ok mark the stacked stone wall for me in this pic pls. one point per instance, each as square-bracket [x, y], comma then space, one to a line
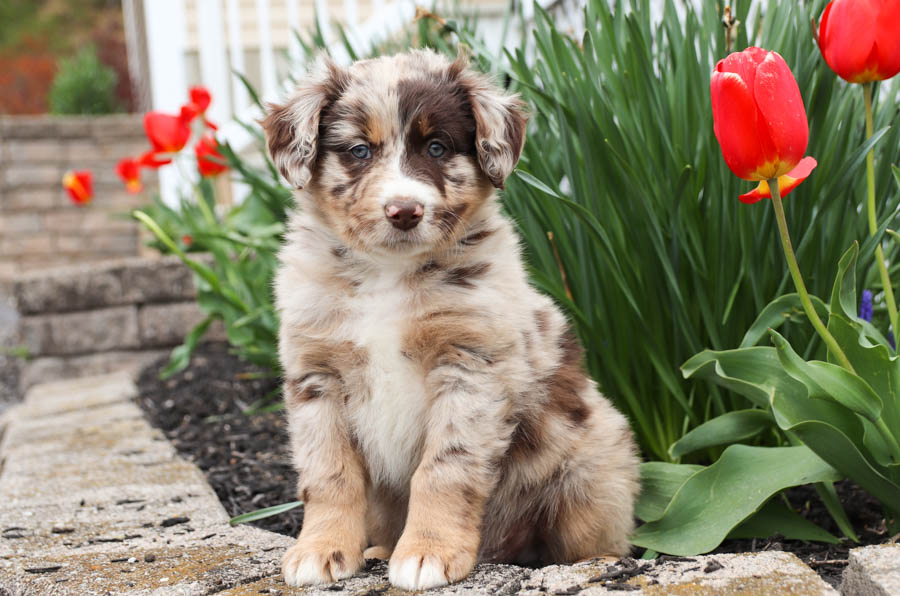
[95, 318]
[39, 226]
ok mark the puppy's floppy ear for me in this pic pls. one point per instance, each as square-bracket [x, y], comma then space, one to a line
[292, 129]
[500, 121]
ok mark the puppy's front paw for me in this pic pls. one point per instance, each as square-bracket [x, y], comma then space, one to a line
[319, 563]
[419, 567]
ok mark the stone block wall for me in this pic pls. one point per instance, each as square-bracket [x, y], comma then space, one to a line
[97, 318]
[39, 226]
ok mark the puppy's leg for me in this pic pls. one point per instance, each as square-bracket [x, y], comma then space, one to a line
[593, 498]
[467, 434]
[331, 485]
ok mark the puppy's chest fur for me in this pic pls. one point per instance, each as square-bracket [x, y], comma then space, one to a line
[388, 415]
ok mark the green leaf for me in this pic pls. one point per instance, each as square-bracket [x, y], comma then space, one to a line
[659, 483]
[181, 355]
[756, 373]
[775, 518]
[712, 502]
[843, 293]
[731, 427]
[829, 381]
[776, 313]
[264, 513]
[835, 509]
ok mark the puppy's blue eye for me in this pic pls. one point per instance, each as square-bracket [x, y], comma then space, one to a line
[435, 149]
[361, 151]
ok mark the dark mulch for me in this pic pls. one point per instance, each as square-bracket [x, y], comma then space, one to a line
[246, 460]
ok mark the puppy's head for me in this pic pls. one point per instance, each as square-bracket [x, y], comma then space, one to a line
[396, 154]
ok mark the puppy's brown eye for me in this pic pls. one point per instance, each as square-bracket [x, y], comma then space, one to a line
[435, 149]
[361, 151]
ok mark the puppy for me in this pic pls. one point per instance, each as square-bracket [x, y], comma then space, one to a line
[438, 409]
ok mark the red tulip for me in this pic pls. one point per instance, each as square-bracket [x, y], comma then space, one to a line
[80, 185]
[205, 148]
[758, 115]
[128, 170]
[168, 133]
[860, 39]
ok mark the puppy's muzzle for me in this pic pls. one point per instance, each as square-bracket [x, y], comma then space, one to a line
[404, 214]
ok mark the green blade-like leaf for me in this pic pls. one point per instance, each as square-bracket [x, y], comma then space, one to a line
[712, 502]
[659, 483]
[264, 513]
[731, 427]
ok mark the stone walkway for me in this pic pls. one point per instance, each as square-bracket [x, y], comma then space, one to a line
[95, 501]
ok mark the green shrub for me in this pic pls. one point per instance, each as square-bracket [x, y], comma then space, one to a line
[84, 85]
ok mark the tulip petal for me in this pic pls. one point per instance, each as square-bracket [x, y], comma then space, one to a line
[847, 36]
[152, 159]
[778, 98]
[200, 97]
[887, 39]
[786, 183]
[734, 123]
[167, 133]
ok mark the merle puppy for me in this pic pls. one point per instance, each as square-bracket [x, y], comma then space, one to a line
[438, 408]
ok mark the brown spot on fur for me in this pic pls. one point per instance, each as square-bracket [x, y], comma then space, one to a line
[542, 321]
[464, 276]
[568, 382]
[295, 394]
[476, 237]
[435, 338]
[453, 452]
[338, 558]
[526, 438]
[434, 108]
[330, 357]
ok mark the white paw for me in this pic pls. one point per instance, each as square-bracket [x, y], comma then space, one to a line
[417, 573]
[302, 566]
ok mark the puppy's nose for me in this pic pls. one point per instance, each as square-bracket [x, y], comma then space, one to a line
[404, 214]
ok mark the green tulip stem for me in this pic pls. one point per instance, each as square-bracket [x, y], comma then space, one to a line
[791, 258]
[873, 221]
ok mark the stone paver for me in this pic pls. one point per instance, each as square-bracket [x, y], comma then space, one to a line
[772, 572]
[95, 501]
[873, 571]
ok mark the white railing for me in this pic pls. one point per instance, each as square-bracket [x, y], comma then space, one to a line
[218, 37]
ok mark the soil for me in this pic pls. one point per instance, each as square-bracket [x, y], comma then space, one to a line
[246, 459]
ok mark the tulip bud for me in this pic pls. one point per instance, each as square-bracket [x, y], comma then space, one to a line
[758, 114]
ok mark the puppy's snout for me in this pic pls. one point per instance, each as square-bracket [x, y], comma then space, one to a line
[404, 214]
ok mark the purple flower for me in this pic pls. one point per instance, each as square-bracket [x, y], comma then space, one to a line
[865, 306]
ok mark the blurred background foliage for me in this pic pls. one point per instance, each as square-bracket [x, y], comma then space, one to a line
[83, 85]
[35, 36]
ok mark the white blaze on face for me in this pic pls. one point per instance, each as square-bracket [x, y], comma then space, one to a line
[396, 184]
